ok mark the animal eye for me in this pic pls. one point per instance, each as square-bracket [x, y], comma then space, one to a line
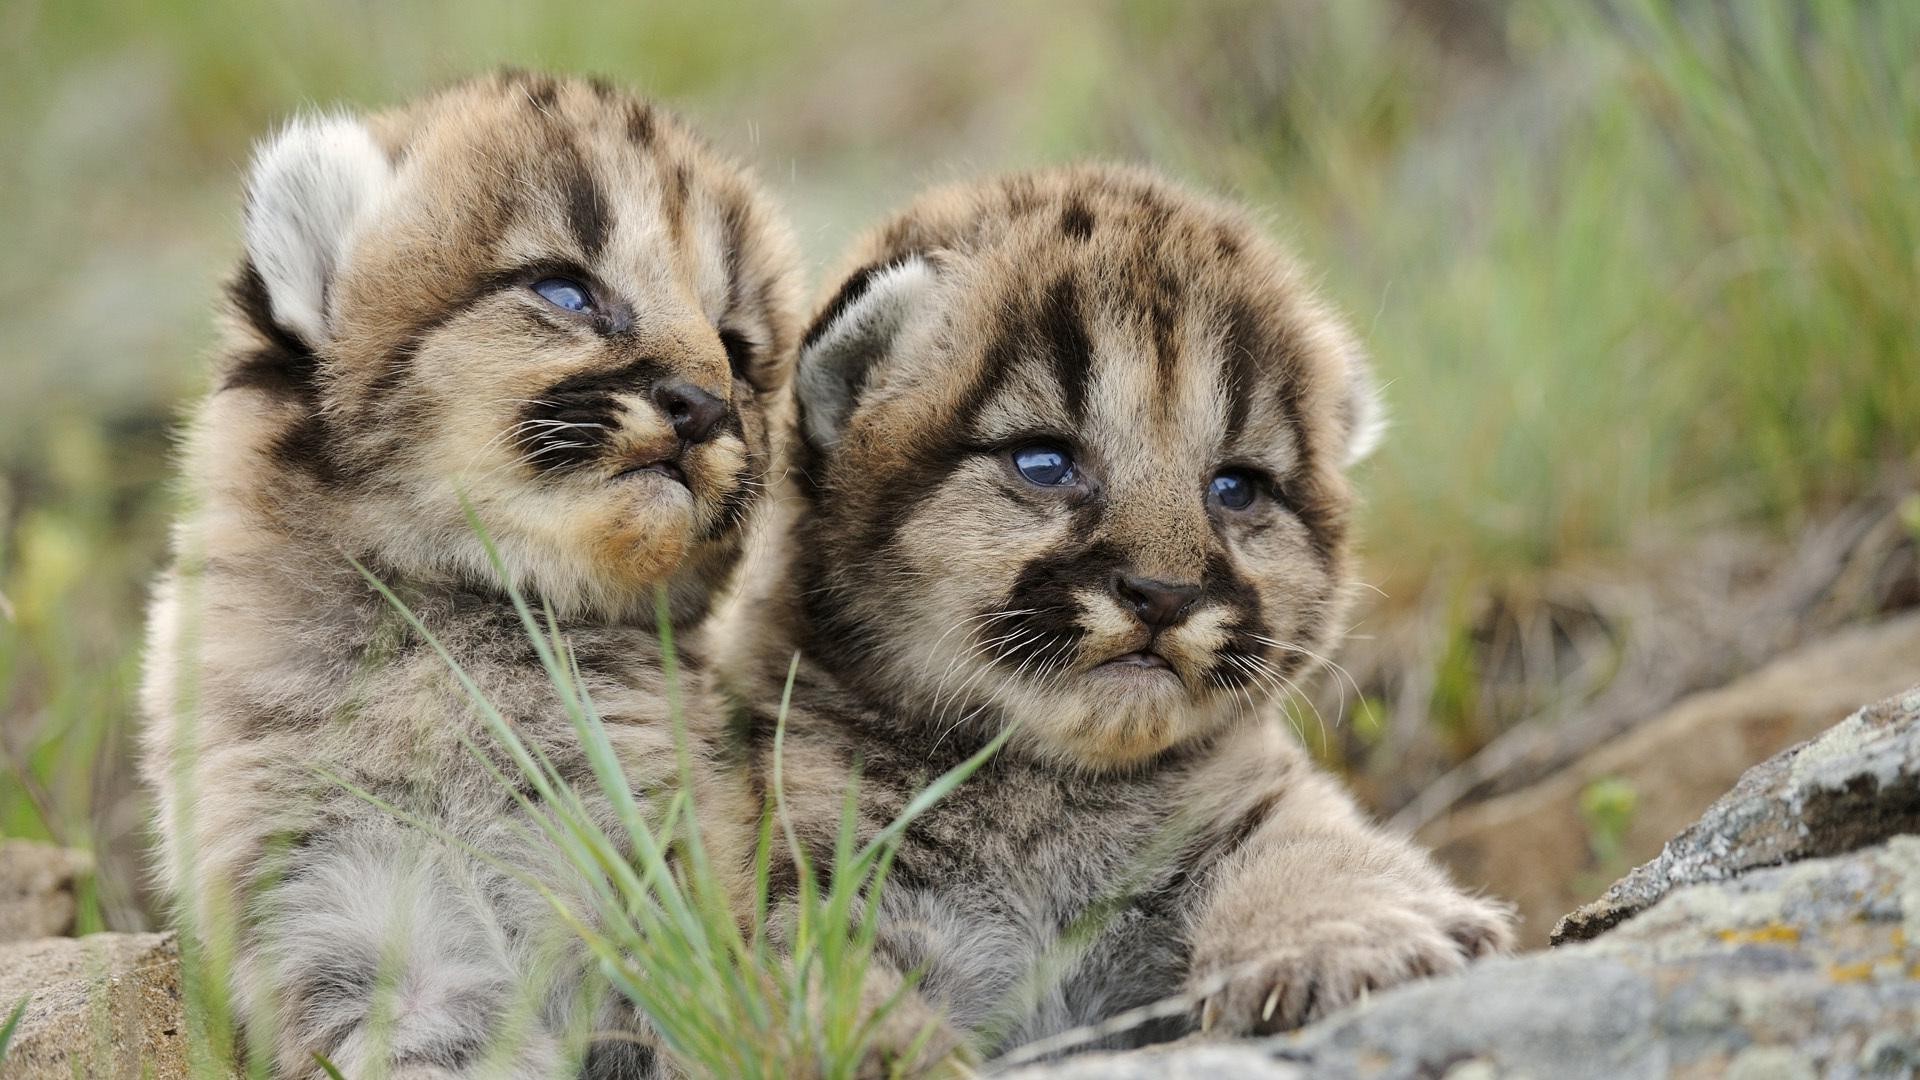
[1232, 489]
[564, 293]
[1044, 464]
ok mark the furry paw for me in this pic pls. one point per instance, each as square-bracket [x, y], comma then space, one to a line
[1260, 983]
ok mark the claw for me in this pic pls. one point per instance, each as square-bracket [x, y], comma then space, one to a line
[1273, 1002]
[1208, 1014]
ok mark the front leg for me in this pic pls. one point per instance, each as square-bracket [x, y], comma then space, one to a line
[1317, 907]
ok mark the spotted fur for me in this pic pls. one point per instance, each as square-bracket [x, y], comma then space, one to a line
[1149, 828]
[387, 366]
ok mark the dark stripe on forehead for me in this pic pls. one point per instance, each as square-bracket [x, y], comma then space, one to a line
[640, 124]
[1065, 335]
[673, 202]
[1076, 221]
[1163, 312]
[1242, 344]
[588, 214]
[735, 218]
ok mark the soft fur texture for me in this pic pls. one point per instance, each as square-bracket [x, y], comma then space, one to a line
[1150, 829]
[386, 357]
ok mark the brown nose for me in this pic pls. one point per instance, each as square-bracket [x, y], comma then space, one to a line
[1159, 604]
[693, 412]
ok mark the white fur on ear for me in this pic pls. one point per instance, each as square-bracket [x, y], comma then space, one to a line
[308, 187]
[1366, 410]
[857, 328]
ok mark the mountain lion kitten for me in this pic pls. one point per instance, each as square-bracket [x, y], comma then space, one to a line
[1072, 464]
[548, 301]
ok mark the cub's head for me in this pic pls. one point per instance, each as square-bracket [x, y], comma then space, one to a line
[541, 297]
[1075, 446]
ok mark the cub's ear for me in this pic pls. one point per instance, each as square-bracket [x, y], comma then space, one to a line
[1363, 409]
[857, 328]
[308, 187]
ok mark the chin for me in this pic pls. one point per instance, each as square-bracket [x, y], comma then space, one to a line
[1114, 716]
[592, 550]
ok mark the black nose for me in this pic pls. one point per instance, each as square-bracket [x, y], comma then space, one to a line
[693, 412]
[1159, 604]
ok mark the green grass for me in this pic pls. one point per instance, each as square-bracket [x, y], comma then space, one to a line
[1625, 267]
[659, 927]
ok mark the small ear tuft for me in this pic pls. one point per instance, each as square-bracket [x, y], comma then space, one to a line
[1365, 411]
[857, 328]
[308, 187]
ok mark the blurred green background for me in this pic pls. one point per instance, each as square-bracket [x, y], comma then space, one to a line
[1637, 275]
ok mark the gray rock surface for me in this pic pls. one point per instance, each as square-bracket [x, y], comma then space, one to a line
[104, 1005]
[1777, 938]
[37, 889]
[1855, 785]
[1805, 970]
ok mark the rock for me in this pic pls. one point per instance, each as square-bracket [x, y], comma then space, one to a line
[37, 887]
[1533, 847]
[1804, 970]
[1777, 937]
[1808, 970]
[104, 1005]
[1856, 785]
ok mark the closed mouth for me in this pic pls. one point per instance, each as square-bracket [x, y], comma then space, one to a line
[669, 469]
[1142, 658]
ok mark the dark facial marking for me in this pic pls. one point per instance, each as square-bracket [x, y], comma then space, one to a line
[587, 211]
[733, 240]
[1076, 221]
[1163, 310]
[740, 352]
[1060, 327]
[1224, 586]
[541, 91]
[1243, 343]
[673, 202]
[732, 509]
[585, 399]
[640, 124]
[1045, 640]
[395, 365]
[838, 638]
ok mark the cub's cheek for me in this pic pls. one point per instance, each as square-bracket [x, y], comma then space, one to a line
[714, 470]
[1199, 639]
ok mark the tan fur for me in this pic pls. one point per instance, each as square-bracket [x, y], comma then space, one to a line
[938, 598]
[386, 365]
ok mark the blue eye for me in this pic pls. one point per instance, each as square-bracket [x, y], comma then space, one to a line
[1232, 489]
[1047, 466]
[564, 294]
